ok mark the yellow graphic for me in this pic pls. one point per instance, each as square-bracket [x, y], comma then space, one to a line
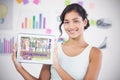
[19, 1]
[3, 12]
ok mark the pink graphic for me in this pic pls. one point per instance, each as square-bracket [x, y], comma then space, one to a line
[48, 31]
[36, 2]
[91, 5]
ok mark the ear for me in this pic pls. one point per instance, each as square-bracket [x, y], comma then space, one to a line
[85, 22]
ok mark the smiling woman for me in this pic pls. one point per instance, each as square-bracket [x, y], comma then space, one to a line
[73, 59]
[74, 24]
[86, 59]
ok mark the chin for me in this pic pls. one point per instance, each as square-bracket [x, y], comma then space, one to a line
[74, 36]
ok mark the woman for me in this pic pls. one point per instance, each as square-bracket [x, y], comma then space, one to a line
[74, 59]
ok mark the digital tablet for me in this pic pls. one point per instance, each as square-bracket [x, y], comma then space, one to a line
[35, 48]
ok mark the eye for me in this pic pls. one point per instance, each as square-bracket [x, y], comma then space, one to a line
[66, 22]
[76, 21]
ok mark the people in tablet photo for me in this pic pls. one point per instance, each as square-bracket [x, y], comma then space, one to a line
[25, 44]
[74, 59]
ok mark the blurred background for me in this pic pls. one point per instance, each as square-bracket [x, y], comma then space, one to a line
[42, 17]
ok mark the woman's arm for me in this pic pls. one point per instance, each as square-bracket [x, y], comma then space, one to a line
[45, 72]
[19, 67]
[62, 73]
[94, 65]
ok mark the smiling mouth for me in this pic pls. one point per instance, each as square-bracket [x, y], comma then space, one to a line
[73, 31]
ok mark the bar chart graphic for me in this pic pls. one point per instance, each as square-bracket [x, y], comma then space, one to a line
[34, 22]
[6, 45]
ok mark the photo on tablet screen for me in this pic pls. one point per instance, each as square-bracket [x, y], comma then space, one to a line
[35, 48]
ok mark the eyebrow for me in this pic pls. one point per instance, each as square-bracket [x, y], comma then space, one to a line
[72, 19]
[75, 18]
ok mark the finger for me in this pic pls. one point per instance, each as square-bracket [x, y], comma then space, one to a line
[56, 42]
[14, 51]
[13, 55]
[15, 46]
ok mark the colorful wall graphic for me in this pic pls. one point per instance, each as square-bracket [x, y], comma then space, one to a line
[34, 22]
[28, 1]
[33, 18]
[6, 14]
[6, 46]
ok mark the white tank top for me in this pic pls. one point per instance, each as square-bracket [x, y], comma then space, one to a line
[75, 66]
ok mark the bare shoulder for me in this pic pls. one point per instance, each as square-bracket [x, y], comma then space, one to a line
[96, 53]
[96, 50]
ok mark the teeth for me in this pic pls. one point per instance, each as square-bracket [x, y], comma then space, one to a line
[72, 31]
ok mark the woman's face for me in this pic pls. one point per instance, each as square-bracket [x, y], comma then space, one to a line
[74, 24]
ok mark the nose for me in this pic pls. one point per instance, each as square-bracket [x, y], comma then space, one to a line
[71, 25]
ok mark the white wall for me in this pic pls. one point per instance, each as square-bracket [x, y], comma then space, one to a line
[108, 9]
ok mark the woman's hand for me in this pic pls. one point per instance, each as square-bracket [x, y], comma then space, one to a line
[14, 59]
[61, 72]
[55, 56]
[26, 75]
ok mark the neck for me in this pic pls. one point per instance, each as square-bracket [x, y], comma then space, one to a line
[76, 41]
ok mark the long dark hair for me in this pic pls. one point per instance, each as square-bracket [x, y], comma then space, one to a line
[74, 7]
